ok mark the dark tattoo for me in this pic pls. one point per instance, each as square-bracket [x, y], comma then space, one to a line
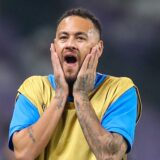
[88, 119]
[43, 107]
[77, 105]
[84, 79]
[59, 102]
[30, 132]
[104, 145]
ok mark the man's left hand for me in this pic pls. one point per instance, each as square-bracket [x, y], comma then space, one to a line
[87, 74]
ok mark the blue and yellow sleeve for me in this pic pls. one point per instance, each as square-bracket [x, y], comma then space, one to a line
[24, 115]
[121, 116]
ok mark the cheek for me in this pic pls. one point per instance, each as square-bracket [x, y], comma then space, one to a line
[85, 50]
[83, 54]
[59, 49]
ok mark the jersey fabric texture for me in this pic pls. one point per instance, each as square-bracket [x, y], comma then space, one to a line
[115, 100]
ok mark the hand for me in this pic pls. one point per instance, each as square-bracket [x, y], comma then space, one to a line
[87, 74]
[61, 84]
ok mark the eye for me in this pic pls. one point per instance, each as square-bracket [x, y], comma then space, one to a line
[63, 38]
[80, 38]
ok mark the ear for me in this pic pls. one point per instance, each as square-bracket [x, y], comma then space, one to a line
[100, 46]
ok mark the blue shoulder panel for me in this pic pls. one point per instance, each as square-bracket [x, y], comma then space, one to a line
[24, 115]
[121, 115]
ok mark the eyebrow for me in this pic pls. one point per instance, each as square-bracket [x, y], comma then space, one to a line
[62, 33]
[77, 33]
[81, 33]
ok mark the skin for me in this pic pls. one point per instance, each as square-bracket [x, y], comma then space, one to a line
[103, 144]
[77, 39]
[77, 80]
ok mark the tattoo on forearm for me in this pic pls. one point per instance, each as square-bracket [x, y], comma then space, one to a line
[30, 132]
[109, 145]
[58, 95]
[77, 105]
[84, 82]
[88, 119]
[60, 102]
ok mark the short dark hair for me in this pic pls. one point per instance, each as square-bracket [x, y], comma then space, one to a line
[84, 13]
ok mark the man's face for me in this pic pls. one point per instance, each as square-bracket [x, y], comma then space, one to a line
[75, 38]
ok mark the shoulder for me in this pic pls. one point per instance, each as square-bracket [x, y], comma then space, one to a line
[116, 85]
[37, 89]
[34, 83]
[34, 79]
[119, 80]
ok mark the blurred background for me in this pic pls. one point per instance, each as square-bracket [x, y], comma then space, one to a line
[131, 32]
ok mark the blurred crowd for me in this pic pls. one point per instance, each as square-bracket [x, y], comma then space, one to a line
[131, 32]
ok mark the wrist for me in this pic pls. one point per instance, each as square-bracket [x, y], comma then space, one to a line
[80, 95]
[60, 100]
[59, 93]
[61, 96]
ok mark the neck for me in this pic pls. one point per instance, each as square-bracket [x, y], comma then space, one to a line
[70, 85]
[71, 91]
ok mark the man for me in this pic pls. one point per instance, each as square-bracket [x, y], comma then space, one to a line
[75, 113]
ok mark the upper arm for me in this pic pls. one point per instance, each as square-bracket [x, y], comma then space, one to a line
[24, 115]
[121, 116]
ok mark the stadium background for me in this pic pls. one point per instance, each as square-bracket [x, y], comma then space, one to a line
[131, 32]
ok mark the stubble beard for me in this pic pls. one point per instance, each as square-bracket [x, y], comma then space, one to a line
[70, 80]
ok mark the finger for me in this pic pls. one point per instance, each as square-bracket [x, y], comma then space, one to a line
[53, 56]
[93, 59]
[95, 63]
[85, 64]
[99, 49]
[90, 64]
[97, 55]
[55, 60]
[53, 53]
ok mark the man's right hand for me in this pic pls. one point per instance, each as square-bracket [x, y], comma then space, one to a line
[29, 142]
[61, 84]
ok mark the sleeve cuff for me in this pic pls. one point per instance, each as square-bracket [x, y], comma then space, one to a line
[125, 135]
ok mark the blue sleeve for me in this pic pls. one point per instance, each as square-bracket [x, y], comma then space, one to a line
[121, 116]
[24, 115]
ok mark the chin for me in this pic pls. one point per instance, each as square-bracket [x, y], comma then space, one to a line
[70, 79]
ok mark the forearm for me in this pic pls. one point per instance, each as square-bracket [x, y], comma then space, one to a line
[103, 144]
[30, 142]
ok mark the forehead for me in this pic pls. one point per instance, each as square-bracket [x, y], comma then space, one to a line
[75, 24]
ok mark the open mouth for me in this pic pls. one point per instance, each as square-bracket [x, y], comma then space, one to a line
[70, 59]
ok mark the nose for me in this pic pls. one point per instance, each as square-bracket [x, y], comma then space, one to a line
[71, 43]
